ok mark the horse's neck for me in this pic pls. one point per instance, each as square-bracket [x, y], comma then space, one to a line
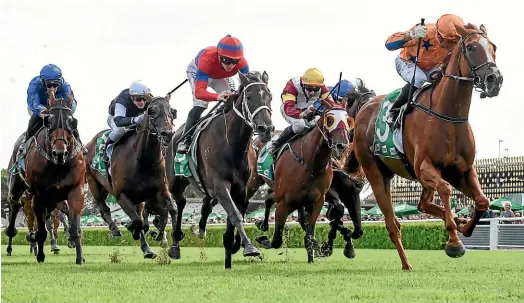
[146, 145]
[454, 96]
[316, 152]
[238, 133]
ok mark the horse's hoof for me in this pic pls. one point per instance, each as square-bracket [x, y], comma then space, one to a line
[455, 251]
[236, 247]
[261, 226]
[174, 251]
[71, 244]
[80, 261]
[264, 241]
[55, 249]
[8, 253]
[40, 258]
[149, 255]
[116, 233]
[349, 251]
[251, 251]
[326, 250]
[56, 252]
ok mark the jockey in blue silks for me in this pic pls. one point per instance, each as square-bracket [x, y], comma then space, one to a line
[37, 100]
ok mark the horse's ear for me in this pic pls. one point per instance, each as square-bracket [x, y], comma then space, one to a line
[244, 81]
[461, 30]
[70, 99]
[483, 29]
[51, 94]
[265, 77]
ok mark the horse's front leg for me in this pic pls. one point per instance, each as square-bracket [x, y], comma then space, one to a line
[76, 205]
[222, 193]
[41, 233]
[164, 198]
[281, 214]
[205, 211]
[469, 185]
[336, 212]
[50, 226]
[137, 222]
[270, 201]
[15, 190]
[309, 238]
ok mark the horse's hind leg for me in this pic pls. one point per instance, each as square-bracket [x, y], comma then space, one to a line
[205, 211]
[167, 203]
[50, 227]
[381, 188]
[309, 238]
[469, 185]
[30, 236]
[270, 201]
[430, 177]
[281, 214]
[15, 190]
[99, 196]
[336, 212]
[228, 239]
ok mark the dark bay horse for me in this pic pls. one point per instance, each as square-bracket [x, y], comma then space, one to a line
[303, 174]
[138, 173]
[222, 158]
[54, 172]
[438, 141]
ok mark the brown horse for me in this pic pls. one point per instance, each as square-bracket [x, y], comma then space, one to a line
[54, 172]
[438, 141]
[303, 174]
[222, 158]
[138, 173]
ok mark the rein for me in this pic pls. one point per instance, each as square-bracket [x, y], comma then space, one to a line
[478, 82]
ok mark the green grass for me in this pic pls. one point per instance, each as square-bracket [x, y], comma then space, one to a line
[283, 276]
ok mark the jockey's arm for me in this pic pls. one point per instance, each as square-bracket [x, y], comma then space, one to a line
[202, 77]
[242, 66]
[33, 99]
[120, 113]
[289, 98]
[400, 40]
[326, 96]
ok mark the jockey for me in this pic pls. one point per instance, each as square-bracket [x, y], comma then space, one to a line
[37, 100]
[298, 99]
[213, 66]
[126, 109]
[437, 41]
[345, 87]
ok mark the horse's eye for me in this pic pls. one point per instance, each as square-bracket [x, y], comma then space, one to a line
[469, 47]
[330, 121]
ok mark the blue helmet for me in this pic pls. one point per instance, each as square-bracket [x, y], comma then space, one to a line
[51, 73]
[345, 87]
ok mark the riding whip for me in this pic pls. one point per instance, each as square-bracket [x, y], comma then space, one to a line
[177, 87]
[339, 85]
[416, 62]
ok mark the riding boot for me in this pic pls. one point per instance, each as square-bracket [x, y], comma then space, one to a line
[105, 157]
[401, 100]
[189, 129]
[34, 122]
[273, 146]
[77, 137]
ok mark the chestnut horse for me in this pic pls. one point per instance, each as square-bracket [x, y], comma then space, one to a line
[54, 172]
[303, 174]
[138, 173]
[438, 141]
[222, 158]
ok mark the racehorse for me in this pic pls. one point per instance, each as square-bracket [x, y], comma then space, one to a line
[439, 148]
[345, 187]
[303, 174]
[54, 172]
[222, 159]
[137, 173]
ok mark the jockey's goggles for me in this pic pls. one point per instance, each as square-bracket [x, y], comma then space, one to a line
[138, 98]
[50, 84]
[312, 88]
[229, 61]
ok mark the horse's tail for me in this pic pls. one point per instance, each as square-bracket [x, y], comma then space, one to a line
[351, 165]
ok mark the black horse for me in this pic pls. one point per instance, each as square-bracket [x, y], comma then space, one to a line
[222, 158]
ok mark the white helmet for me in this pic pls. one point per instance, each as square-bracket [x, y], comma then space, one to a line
[137, 88]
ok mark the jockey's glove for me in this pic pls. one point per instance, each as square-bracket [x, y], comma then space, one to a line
[418, 32]
[138, 119]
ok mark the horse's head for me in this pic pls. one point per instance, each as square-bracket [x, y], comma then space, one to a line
[60, 125]
[357, 97]
[479, 59]
[255, 104]
[158, 119]
[336, 125]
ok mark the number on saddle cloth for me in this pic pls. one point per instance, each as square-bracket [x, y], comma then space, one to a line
[387, 142]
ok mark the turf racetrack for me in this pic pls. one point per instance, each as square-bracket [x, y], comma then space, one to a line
[283, 276]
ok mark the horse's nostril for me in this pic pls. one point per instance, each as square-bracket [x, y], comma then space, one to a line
[490, 79]
[341, 146]
[53, 153]
[261, 128]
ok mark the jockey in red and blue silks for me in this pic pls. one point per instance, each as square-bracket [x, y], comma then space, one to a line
[213, 66]
[37, 99]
